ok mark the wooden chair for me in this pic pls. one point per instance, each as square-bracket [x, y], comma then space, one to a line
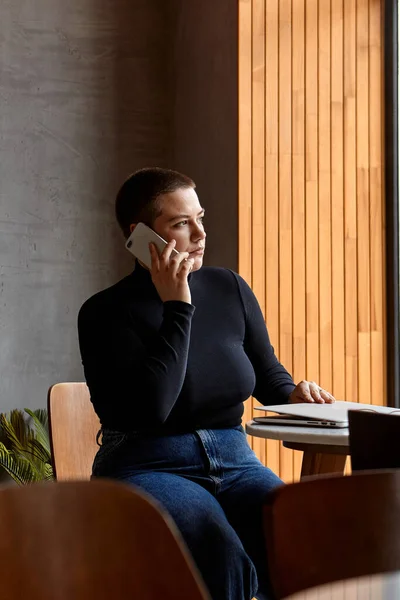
[327, 529]
[73, 429]
[83, 540]
[374, 440]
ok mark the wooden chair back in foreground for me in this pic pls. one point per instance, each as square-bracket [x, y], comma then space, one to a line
[374, 440]
[85, 540]
[73, 429]
[327, 529]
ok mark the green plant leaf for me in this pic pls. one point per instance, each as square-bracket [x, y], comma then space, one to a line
[20, 425]
[25, 454]
[16, 430]
[35, 449]
[48, 473]
[18, 468]
[42, 415]
[41, 423]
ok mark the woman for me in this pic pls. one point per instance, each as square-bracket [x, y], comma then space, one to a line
[170, 354]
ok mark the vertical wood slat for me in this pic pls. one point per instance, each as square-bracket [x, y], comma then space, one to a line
[272, 191]
[377, 213]
[324, 195]
[258, 173]
[285, 202]
[312, 270]
[350, 201]
[310, 100]
[363, 220]
[245, 151]
[298, 199]
[337, 207]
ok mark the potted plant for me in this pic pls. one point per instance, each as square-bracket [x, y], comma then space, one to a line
[25, 446]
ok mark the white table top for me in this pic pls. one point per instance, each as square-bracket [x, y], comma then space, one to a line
[303, 435]
[385, 586]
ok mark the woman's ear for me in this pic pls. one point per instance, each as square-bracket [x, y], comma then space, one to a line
[132, 227]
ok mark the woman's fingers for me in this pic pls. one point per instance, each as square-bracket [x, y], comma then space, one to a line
[306, 392]
[314, 391]
[155, 261]
[301, 393]
[166, 253]
[310, 392]
[186, 267]
[329, 399]
[177, 261]
[320, 395]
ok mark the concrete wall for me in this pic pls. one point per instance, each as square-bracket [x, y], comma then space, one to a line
[89, 92]
[80, 109]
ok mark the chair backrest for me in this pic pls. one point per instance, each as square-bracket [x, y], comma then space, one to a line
[374, 440]
[98, 539]
[73, 429]
[327, 529]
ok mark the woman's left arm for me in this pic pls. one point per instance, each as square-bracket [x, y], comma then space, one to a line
[274, 385]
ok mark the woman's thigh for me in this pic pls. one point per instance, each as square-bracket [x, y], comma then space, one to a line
[193, 508]
[188, 503]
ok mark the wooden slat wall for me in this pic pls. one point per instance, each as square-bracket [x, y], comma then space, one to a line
[311, 214]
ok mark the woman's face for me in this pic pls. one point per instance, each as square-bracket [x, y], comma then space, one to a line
[181, 219]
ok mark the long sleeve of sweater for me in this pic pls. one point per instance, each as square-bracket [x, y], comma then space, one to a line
[142, 374]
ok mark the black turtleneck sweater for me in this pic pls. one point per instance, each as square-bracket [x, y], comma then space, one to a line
[174, 367]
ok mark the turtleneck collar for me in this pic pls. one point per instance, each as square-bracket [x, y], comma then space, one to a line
[140, 272]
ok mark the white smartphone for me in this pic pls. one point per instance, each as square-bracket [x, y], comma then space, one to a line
[139, 240]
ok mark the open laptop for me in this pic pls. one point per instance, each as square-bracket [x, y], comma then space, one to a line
[317, 415]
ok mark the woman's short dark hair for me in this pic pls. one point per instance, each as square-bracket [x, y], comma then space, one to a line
[137, 199]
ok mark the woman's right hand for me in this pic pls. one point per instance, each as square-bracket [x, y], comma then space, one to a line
[170, 275]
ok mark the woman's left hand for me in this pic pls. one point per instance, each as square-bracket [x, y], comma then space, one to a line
[309, 391]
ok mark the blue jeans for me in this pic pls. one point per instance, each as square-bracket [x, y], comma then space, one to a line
[213, 486]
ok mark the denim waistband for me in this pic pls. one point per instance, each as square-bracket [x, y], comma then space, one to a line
[181, 451]
[111, 435]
